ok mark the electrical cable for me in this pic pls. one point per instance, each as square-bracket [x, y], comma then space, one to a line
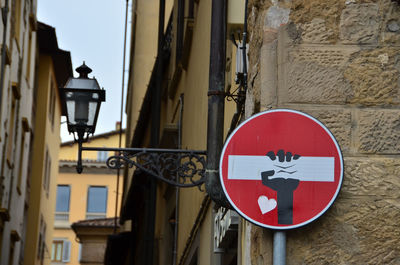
[121, 114]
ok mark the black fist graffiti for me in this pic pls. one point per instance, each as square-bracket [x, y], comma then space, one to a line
[283, 186]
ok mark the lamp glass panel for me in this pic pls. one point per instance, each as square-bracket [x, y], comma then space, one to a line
[83, 83]
[92, 113]
[81, 111]
[71, 111]
[81, 107]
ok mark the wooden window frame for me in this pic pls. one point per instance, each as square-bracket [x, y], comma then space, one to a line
[52, 103]
[29, 59]
[21, 163]
[42, 241]
[65, 255]
[54, 249]
[25, 129]
[17, 26]
[11, 253]
[12, 125]
[47, 172]
[180, 26]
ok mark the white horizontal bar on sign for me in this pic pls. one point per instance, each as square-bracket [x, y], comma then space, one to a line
[305, 168]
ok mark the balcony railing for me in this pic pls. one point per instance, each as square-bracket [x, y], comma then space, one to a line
[95, 215]
[62, 216]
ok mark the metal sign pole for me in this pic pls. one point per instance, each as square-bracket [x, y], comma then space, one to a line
[279, 251]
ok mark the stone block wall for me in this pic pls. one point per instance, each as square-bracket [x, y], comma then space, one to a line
[338, 61]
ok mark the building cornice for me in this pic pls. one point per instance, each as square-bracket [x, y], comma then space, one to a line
[90, 166]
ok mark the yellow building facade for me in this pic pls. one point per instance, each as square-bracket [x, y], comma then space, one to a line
[17, 75]
[54, 69]
[335, 60]
[32, 69]
[90, 195]
[181, 222]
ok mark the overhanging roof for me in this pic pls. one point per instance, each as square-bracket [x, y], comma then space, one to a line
[47, 41]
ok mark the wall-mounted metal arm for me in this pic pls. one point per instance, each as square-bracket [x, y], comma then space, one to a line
[181, 168]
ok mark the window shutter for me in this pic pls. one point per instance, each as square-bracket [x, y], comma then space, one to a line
[80, 253]
[66, 251]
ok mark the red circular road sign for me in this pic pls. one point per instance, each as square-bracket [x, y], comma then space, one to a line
[281, 169]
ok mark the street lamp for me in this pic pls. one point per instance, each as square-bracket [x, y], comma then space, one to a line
[83, 97]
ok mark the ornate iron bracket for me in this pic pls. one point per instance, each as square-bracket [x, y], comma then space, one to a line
[239, 95]
[181, 168]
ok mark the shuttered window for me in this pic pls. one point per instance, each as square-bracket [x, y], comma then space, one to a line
[61, 250]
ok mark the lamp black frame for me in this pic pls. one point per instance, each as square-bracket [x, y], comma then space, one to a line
[78, 128]
[177, 167]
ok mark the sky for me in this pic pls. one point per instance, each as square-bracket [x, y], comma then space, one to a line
[93, 31]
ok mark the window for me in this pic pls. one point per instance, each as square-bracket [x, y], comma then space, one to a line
[180, 27]
[61, 250]
[52, 103]
[62, 202]
[23, 235]
[193, 260]
[1, 235]
[22, 155]
[80, 253]
[42, 241]
[11, 253]
[29, 169]
[28, 65]
[184, 31]
[97, 202]
[11, 130]
[102, 156]
[47, 172]
[56, 250]
[17, 28]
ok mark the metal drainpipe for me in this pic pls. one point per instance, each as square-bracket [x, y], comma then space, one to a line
[155, 135]
[216, 101]
[4, 13]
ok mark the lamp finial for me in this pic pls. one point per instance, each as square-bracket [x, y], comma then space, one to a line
[83, 70]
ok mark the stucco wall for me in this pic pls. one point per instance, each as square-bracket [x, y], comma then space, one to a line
[339, 62]
[79, 185]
